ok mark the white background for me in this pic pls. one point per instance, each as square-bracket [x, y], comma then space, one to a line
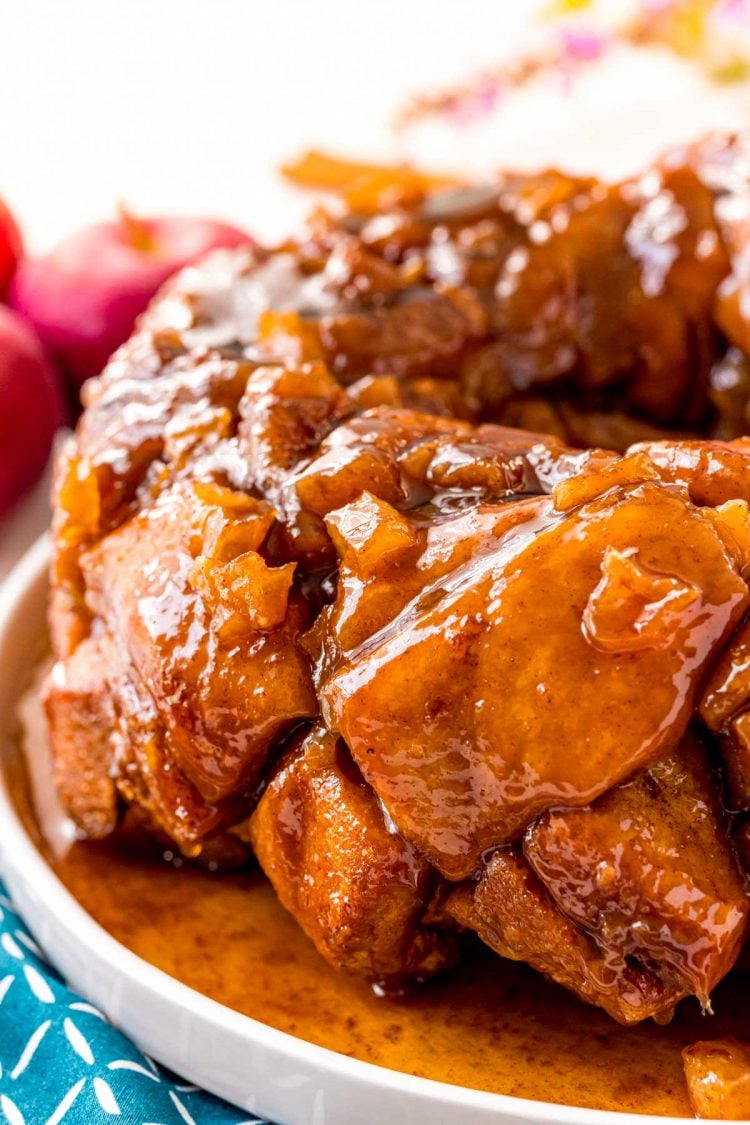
[190, 104]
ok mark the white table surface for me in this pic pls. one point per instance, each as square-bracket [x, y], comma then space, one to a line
[190, 105]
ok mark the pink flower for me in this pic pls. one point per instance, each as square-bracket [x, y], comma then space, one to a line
[478, 102]
[582, 45]
[733, 11]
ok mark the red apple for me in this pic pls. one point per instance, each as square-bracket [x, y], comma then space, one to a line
[84, 296]
[11, 247]
[31, 408]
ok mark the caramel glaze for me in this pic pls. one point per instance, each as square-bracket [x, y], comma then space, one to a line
[491, 1024]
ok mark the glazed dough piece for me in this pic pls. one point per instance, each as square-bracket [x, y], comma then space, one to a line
[548, 667]
[355, 886]
[608, 285]
[111, 749]
[718, 1079]
[649, 872]
[725, 709]
[81, 720]
[208, 672]
[632, 903]
[511, 911]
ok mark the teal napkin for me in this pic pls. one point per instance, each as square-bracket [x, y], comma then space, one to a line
[62, 1061]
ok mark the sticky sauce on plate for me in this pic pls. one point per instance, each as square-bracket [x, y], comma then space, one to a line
[492, 1024]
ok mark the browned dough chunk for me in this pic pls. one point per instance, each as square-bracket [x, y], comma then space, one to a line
[355, 886]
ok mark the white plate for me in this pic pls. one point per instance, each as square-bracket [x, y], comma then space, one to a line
[263, 1070]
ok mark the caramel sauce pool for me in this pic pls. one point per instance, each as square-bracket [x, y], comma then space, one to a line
[491, 1024]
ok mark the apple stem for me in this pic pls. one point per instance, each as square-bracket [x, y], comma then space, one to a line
[137, 230]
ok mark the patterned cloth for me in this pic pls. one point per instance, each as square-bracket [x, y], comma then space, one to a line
[61, 1061]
